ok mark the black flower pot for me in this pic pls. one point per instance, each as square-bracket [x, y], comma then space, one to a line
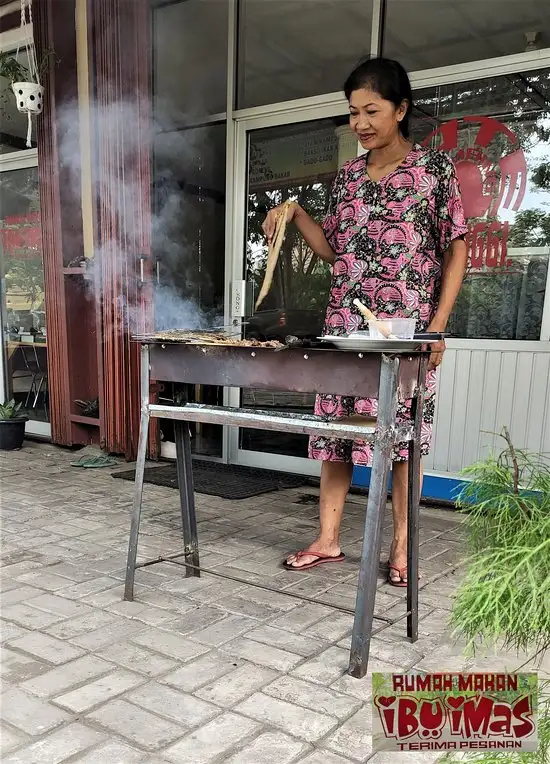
[12, 433]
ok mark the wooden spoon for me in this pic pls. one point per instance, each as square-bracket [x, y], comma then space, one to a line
[369, 316]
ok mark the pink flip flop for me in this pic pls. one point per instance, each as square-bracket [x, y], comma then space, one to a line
[321, 559]
[402, 573]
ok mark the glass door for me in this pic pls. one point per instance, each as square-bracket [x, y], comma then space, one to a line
[298, 162]
[24, 357]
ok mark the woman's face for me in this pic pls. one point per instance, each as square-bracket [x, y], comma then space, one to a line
[374, 120]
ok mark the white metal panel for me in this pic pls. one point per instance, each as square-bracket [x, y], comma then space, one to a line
[480, 391]
[459, 409]
[522, 399]
[539, 407]
[474, 405]
[505, 385]
[441, 442]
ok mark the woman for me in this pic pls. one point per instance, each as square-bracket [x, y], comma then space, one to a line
[394, 234]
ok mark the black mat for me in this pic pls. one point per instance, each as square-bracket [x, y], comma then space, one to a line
[225, 481]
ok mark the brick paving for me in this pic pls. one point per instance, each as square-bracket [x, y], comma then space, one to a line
[194, 670]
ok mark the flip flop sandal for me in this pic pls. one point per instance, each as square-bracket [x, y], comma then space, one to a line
[321, 559]
[402, 572]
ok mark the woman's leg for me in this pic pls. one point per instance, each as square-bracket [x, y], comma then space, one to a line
[335, 483]
[400, 485]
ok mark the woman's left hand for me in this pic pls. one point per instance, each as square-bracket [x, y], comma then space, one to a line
[436, 356]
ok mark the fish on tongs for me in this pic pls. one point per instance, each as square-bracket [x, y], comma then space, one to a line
[273, 252]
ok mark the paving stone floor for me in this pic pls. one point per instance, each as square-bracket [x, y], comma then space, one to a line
[194, 670]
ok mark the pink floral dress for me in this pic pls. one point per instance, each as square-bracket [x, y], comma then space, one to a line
[389, 238]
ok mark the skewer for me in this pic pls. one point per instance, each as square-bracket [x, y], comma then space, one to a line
[369, 316]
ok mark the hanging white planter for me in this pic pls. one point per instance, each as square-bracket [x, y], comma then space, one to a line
[29, 95]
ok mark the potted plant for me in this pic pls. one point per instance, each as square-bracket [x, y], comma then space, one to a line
[11, 69]
[12, 426]
[28, 94]
[25, 83]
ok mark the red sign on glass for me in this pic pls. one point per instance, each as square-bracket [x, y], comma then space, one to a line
[21, 236]
[488, 184]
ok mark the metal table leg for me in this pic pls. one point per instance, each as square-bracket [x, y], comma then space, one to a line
[140, 469]
[374, 519]
[413, 504]
[187, 496]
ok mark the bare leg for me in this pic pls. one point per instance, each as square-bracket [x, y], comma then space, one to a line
[335, 483]
[398, 552]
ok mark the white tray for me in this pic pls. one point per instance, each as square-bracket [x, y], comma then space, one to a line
[368, 345]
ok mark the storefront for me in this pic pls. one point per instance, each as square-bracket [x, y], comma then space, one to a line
[246, 109]
[481, 77]
[22, 301]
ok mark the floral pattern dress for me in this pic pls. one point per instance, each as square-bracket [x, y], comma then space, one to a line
[389, 238]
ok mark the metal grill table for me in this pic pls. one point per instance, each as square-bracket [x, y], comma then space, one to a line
[385, 374]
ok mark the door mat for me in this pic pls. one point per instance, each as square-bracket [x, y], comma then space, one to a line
[223, 480]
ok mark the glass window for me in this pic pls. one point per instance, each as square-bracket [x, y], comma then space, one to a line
[289, 162]
[422, 34]
[497, 132]
[25, 344]
[297, 48]
[189, 59]
[13, 125]
[189, 249]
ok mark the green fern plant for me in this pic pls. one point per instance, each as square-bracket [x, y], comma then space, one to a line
[505, 595]
[506, 591]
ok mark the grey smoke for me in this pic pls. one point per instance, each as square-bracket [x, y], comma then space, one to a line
[177, 154]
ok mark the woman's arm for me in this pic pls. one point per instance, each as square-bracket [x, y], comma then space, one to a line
[455, 261]
[311, 231]
[314, 235]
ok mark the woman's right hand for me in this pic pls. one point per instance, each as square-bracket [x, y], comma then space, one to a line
[270, 222]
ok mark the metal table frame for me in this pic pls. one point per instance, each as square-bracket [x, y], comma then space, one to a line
[384, 375]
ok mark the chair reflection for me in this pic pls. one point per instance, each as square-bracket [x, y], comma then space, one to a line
[28, 362]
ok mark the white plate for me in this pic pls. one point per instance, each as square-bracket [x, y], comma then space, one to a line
[366, 344]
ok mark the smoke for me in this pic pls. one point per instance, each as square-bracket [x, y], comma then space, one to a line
[175, 312]
[186, 217]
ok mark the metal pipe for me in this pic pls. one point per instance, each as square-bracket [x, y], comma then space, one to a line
[184, 466]
[305, 424]
[413, 504]
[140, 470]
[141, 281]
[173, 559]
[374, 519]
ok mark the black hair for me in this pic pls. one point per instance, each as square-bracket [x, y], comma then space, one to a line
[386, 77]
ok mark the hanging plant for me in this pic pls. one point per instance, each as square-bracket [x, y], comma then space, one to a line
[29, 93]
[11, 69]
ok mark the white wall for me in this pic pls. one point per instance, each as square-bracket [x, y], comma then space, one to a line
[483, 386]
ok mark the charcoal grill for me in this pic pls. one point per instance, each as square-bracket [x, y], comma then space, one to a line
[385, 374]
